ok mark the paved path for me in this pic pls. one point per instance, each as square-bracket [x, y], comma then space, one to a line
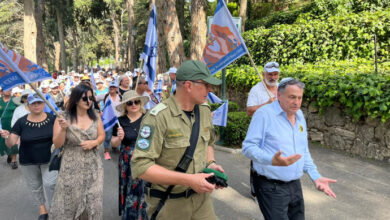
[363, 190]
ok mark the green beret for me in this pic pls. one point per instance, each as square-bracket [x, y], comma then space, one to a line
[196, 70]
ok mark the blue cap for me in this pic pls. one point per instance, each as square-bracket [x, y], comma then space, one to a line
[114, 83]
[34, 98]
[284, 81]
[271, 67]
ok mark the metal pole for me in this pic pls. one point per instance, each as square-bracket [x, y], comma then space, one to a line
[376, 55]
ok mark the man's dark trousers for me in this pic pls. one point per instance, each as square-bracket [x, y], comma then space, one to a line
[279, 200]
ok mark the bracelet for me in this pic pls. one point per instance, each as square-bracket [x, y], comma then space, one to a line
[210, 162]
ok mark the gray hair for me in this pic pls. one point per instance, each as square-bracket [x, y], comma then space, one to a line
[289, 82]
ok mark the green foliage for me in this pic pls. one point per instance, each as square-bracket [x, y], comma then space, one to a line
[337, 38]
[352, 84]
[11, 24]
[235, 131]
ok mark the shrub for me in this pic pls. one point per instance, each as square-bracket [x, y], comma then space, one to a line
[340, 37]
[351, 83]
[235, 131]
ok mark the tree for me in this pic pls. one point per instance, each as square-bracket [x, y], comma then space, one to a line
[243, 6]
[41, 47]
[61, 36]
[130, 40]
[199, 28]
[30, 31]
[174, 41]
[180, 14]
[11, 24]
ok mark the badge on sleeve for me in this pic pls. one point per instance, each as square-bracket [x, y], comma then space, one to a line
[145, 137]
[143, 144]
[145, 131]
[301, 128]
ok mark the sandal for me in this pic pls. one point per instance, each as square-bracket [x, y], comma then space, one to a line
[14, 165]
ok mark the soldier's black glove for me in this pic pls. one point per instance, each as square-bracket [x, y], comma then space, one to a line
[219, 178]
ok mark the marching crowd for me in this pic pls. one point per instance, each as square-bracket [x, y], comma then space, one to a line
[165, 138]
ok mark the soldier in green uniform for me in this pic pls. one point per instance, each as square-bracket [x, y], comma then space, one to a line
[7, 108]
[163, 138]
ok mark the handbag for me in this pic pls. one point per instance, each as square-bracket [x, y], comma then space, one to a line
[55, 159]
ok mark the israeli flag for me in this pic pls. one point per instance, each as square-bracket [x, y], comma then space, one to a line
[220, 115]
[159, 86]
[51, 101]
[213, 98]
[173, 89]
[93, 80]
[109, 118]
[68, 85]
[149, 54]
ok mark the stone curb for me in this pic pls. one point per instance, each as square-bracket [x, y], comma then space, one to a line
[227, 150]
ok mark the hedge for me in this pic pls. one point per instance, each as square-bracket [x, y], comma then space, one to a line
[336, 38]
[235, 131]
[352, 84]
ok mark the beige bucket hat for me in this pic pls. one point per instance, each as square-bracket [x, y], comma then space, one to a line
[130, 95]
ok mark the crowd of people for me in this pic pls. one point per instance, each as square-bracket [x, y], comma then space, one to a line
[165, 138]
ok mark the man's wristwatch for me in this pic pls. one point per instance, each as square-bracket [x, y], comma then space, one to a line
[210, 162]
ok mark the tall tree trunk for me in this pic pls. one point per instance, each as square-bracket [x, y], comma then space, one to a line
[75, 56]
[130, 40]
[151, 3]
[161, 44]
[61, 37]
[30, 31]
[180, 14]
[57, 52]
[199, 28]
[166, 10]
[116, 37]
[41, 51]
[243, 7]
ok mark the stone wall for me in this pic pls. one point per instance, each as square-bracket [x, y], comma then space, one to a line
[368, 139]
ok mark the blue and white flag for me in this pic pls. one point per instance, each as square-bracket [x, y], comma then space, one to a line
[51, 101]
[109, 117]
[17, 70]
[224, 42]
[159, 86]
[68, 85]
[173, 89]
[220, 114]
[149, 54]
[213, 98]
[93, 80]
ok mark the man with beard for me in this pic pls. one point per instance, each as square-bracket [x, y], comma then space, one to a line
[259, 97]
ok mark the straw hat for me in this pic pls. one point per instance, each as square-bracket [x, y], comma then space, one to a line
[18, 99]
[130, 95]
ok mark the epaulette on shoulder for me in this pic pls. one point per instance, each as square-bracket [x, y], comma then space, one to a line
[158, 108]
[206, 105]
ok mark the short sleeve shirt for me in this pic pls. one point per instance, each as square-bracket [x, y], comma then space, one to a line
[130, 128]
[258, 95]
[35, 140]
[164, 136]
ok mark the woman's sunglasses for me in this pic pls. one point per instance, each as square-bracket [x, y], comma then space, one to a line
[136, 102]
[85, 98]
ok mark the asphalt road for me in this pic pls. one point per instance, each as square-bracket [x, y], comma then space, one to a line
[363, 190]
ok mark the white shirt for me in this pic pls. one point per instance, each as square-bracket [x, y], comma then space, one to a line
[258, 95]
[19, 112]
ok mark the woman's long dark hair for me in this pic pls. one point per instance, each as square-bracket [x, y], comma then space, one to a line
[75, 97]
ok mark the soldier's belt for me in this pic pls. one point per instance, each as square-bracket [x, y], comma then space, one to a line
[161, 194]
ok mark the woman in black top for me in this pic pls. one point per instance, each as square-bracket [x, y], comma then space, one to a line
[132, 203]
[35, 131]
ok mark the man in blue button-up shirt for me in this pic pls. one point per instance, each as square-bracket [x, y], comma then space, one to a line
[277, 144]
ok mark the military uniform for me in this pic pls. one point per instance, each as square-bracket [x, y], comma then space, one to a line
[163, 138]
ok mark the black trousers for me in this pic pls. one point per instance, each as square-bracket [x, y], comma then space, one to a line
[279, 200]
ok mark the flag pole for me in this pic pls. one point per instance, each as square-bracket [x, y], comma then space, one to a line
[258, 73]
[139, 73]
